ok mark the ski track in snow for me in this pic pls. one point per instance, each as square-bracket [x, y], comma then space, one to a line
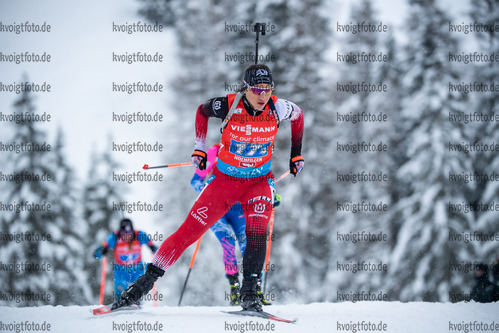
[417, 317]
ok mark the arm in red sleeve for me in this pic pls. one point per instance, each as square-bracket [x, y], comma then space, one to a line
[289, 110]
[201, 127]
[297, 125]
[217, 107]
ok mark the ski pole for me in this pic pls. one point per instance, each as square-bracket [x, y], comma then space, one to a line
[103, 280]
[190, 268]
[147, 167]
[258, 28]
[284, 175]
[269, 245]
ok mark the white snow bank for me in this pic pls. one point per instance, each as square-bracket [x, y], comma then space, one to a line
[415, 317]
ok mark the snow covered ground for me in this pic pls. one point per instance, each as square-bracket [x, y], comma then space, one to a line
[417, 317]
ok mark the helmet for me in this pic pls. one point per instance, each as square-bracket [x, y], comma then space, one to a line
[126, 225]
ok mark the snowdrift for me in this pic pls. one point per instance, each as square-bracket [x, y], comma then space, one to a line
[417, 317]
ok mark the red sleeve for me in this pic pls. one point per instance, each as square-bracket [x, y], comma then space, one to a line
[297, 126]
[216, 107]
[201, 127]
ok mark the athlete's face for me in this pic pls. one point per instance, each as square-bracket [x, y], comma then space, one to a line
[126, 236]
[258, 99]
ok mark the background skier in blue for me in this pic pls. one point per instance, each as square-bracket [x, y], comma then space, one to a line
[127, 245]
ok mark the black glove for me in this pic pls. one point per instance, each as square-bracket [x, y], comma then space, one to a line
[199, 159]
[296, 165]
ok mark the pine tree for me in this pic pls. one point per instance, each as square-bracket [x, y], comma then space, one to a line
[351, 127]
[43, 261]
[22, 283]
[421, 256]
[390, 132]
[485, 103]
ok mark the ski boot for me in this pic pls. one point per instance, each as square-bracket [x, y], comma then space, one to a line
[260, 294]
[141, 287]
[234, 289]
[249, 296]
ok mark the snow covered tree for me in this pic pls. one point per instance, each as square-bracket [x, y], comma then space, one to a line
[419, 266]
[363, 115]
[38, 201]
[485, 103]
[391, 132]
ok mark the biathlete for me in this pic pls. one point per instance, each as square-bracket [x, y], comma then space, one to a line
[243, 173]
[127, 245]
[229, 229]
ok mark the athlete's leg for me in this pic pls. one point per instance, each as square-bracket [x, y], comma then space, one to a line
[223, 232]
[226, 237]
[257, 206]
[120, 280]
[236, 219]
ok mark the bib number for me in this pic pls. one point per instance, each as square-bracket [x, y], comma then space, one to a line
[250, 149]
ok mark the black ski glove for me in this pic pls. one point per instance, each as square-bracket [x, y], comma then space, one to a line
[296, 165]
[199, 159]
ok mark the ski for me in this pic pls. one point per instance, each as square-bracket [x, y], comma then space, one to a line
[261, 314]
[105, 309]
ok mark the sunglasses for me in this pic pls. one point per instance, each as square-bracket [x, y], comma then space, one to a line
[259, 91]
